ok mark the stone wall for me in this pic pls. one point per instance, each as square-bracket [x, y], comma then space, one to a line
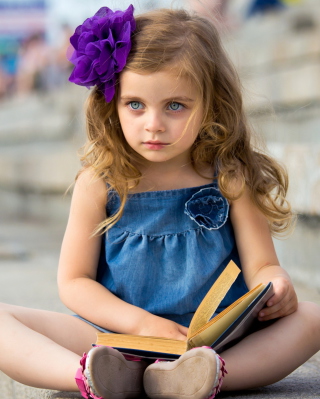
[278, 57]
[39, 138]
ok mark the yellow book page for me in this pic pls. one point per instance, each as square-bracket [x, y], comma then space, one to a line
[213, 298]
[250, 294]
[221, 322]
[156, 344]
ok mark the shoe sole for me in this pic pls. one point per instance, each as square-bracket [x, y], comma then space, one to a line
[112, 376]
[193, 375]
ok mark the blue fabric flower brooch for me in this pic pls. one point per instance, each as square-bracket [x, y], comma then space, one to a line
[208, 208]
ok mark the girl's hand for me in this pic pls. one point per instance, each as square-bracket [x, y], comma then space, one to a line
[156, 326]
[282, 303]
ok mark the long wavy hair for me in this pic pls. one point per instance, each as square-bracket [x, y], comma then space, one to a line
[189, 45]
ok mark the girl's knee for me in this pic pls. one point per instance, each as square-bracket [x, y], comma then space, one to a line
[5, 311]
[4, 308]
[310, 314]
[8, 307]
[9, 310]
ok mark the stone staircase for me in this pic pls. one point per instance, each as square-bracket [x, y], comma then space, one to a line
[278, 57]
[39, 139]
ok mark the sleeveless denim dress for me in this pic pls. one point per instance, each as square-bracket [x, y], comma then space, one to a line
[168, 249]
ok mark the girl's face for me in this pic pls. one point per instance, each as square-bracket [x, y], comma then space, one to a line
[154, 111]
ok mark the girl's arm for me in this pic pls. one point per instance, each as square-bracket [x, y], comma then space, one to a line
[258, 257]
[78, 287]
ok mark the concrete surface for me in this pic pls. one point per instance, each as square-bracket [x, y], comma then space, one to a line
[29, 252]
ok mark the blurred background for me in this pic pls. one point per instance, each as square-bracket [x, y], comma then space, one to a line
[275, 44]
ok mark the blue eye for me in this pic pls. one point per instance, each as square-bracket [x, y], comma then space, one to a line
[175, 106]
[135, 105]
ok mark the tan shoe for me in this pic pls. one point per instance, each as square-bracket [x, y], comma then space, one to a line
[106, 374]
[197, 374]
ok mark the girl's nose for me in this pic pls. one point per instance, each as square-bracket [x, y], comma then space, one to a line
[154, 122]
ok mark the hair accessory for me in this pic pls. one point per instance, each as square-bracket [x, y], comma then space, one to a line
[101, 46]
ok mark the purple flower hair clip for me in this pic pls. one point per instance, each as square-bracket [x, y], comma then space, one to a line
[101, 46]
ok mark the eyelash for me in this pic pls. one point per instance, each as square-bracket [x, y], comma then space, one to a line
[129, 105]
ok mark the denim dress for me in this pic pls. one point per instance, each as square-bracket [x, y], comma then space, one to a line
[167, 250]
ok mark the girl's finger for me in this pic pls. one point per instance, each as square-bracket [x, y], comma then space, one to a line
[183, 330]
[182, 337]
[276, 312]
[272, 310]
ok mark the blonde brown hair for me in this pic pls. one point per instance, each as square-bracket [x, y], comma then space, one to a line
[189, 45]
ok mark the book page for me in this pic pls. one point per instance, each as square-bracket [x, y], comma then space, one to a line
[213, 298]
[220, 324]
[146, 343]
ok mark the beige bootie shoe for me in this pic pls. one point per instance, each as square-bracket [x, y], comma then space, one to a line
[106, 374]
[197, 374]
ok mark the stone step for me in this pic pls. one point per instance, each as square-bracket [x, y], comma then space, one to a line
[42, 117]
[277, 56]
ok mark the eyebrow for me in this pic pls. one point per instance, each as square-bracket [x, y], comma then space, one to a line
[166, 100]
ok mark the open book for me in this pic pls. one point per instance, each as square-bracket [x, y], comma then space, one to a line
[220, 332]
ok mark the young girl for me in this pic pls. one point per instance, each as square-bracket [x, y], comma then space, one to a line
[171, 189]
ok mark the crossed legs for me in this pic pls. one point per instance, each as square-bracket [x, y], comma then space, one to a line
[43, 349]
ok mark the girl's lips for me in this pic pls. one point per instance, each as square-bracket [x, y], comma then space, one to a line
[154, 145]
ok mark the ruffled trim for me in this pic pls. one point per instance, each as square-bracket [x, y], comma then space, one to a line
[208, 208]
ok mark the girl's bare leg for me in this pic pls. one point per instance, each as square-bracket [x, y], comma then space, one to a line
[271, 354]
[41, 348]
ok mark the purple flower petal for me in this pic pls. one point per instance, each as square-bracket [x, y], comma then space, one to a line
[120, 55]
[84, 39]
[80, 71]
[106, 69]
[101, 48]
[109, 90]
[93, 50]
